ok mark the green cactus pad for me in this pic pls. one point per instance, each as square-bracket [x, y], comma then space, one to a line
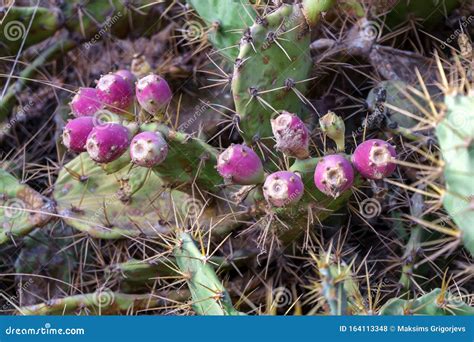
[21, 208]
[435, 303]
[273, 60]
[189, 161]
[226, 21]
[134, 200]
[396, 98]
[138, 270]
[333, 281]
[98, 303]
[456, 137]
[209, 295]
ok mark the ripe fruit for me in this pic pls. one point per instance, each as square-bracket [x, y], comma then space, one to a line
[374, 159]
[153, 93]
[291, 134]
[333, 175]
[85, 102]
[283, 188]
[239, 164]
[76, 132]
[115, 92]
[148, 149]
[127, 75]
[108, 142]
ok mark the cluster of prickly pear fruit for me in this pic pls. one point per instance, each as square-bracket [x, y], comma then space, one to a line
[107, 141]
[333, 174]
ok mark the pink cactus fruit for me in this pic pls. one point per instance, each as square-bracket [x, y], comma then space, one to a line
[291, 134]
[148, 149]
[283, 188]
[374, 159]
[333, 175]
[127, 75]
[107, 143]
[239, 164]
[75, 133]
[85, 102]
[153, 93]
[115, 92]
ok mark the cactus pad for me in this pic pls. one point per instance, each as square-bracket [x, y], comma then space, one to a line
[226, 21]
[189, 160]
[21, 208]
[127, 203]
[209, 295]
[273, 61]
[436, 303]
[456, 137]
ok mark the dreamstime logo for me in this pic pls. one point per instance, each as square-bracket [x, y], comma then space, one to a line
[103, 119]
[459, 119]
[465, 23]
[459, 297]
[14, 30]
[371, 31]
[14, 208]
[20, 115]
[103, 297]
[282, 297]
[370, 208]
[192, 208]
[21, 287]
[192, 31]
[106, 26]
[198, 111]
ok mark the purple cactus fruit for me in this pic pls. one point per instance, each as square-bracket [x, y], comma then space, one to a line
[127, 75]
[76, 132]
[108, 142]
[148, 149]
[374, 159]
[239, 164]
[283, 188]
[153, 93]
[115, 92]
[291, 134]
[85, 102]
[333, 175]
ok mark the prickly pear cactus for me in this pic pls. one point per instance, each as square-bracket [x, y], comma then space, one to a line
[21, 208]
[208, 294]
[312, 195]
[456, 138]
[313, 201]
[113, 206]
[225, 23]
[97, 303]
[391, 92]
[271, 70]
[189, 161]
[438, 302]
